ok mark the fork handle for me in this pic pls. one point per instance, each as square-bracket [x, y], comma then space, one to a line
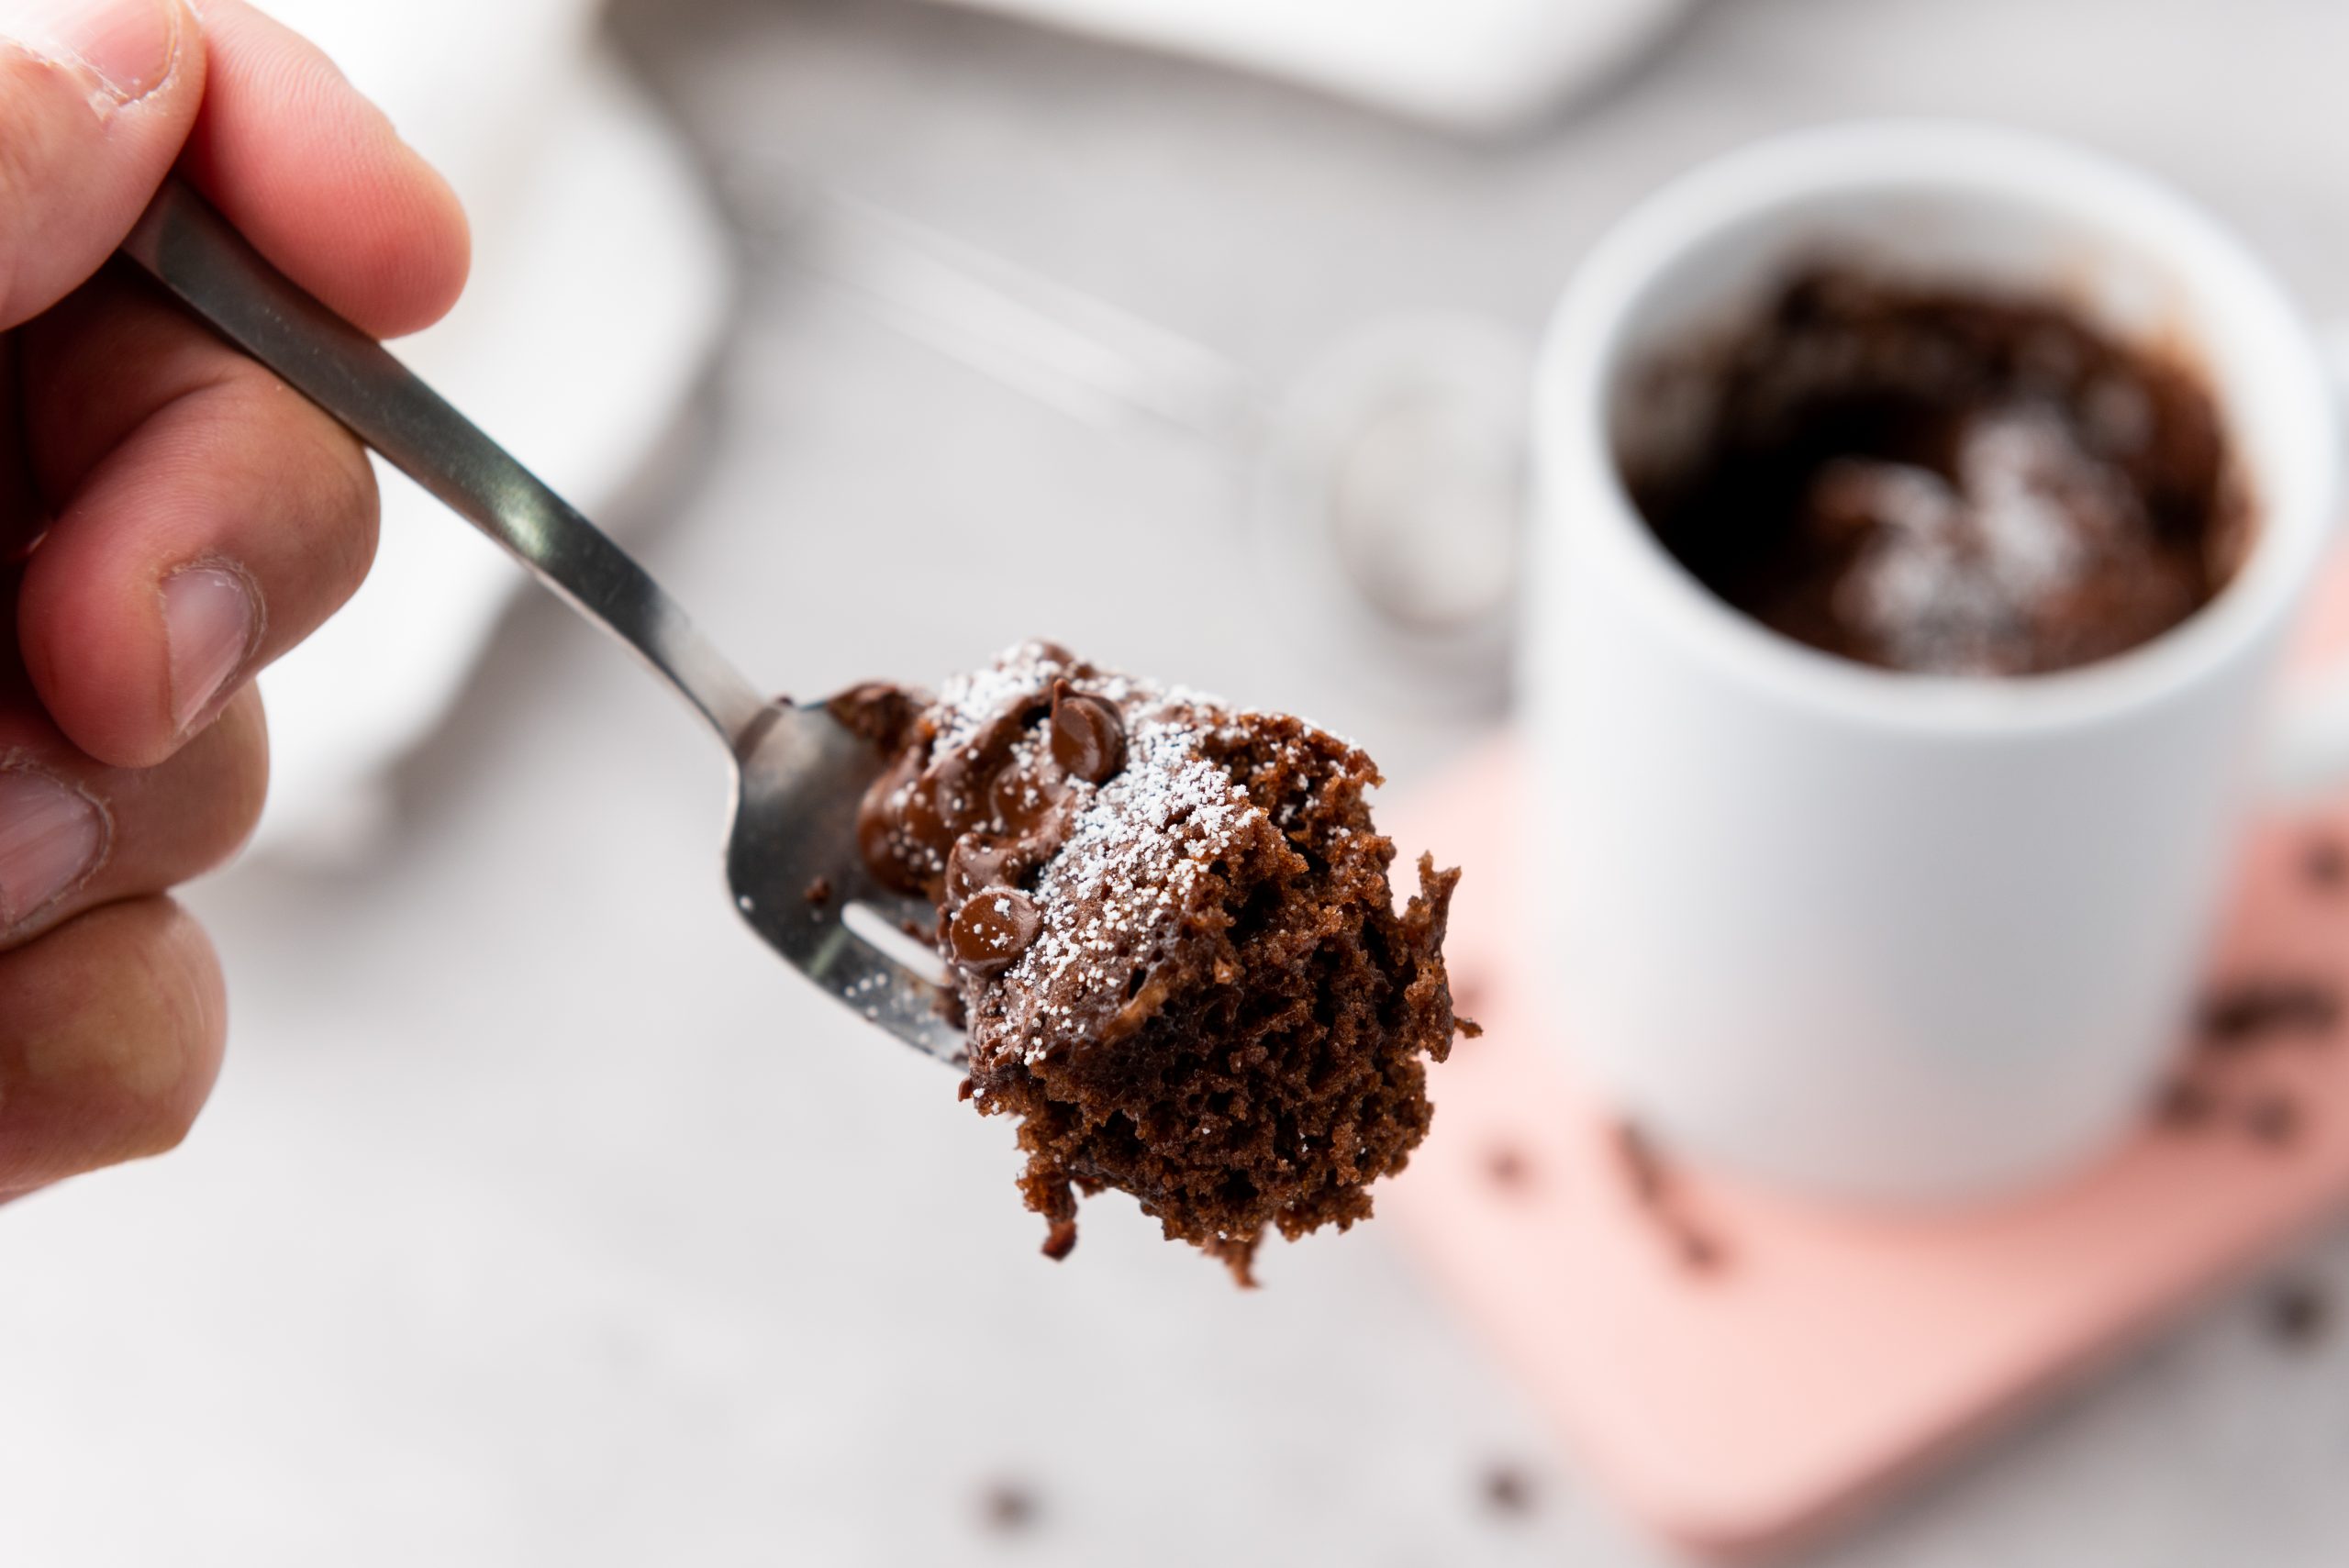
[201, 259]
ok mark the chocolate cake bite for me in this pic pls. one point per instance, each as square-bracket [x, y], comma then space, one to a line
[1172, 941]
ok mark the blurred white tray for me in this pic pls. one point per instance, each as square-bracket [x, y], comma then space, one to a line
[600, 284]
[1480, 65]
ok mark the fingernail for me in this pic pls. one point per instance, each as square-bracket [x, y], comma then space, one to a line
[209, 621]
[51, 837]
[129, 46]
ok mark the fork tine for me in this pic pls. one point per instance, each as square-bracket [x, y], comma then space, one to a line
[795, 836]
[886, 993]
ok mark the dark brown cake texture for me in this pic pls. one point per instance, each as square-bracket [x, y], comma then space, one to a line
[1173, 941]
[1945, 481]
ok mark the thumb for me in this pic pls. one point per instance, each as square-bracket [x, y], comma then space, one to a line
[96, 98]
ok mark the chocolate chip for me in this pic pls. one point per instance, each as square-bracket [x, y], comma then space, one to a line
[1507, 1490]
[2325, 862]
[2257, 1010]
[965, 1089]
[820, 890]
[976, 863]
[1088, 735]
[1008, 1507]
[2272, 1120]
[2299, 1313]
[992, 931]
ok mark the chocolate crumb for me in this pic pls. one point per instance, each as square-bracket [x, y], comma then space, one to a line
[988, 934]
[2300, 1314]
[1088, 734]
[1507, 1167]
[965, 1089]
[820, 890]
[874, 711]
[2257, 1010]
[2326, 862]
[1507, 1491]
[2272, 1120]
[2186, 1105]
[1061, 1240]
[1007, 1508]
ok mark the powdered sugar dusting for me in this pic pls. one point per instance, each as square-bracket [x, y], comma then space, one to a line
[1133, 850]
[1116, 892]
[1024, 673]
[1954, 574]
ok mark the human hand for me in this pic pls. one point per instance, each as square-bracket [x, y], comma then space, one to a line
[172, 520]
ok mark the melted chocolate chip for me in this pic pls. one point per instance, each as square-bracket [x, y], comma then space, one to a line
[1020, 799]
[1089, 738]
[976, 863]
[992, 931]
[915, 817]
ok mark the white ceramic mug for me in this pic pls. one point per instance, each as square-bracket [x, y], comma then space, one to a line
[1873, 935]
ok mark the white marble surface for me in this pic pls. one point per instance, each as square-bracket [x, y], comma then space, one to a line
[542, 1218]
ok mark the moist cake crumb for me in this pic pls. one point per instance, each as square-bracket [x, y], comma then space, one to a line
[1172, 940]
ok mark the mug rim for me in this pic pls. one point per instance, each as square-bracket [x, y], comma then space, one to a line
[2235, 294]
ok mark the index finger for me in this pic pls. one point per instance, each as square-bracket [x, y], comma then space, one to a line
[317, 178]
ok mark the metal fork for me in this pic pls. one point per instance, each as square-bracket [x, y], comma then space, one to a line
[792, 861]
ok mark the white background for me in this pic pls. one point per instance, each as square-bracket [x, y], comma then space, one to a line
[541, 1216]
